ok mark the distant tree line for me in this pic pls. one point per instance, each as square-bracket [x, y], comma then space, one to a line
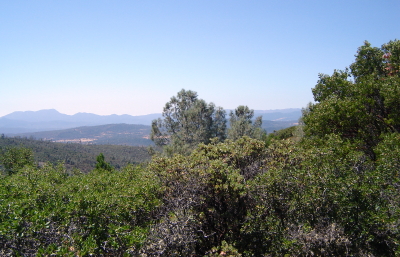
[78, 156]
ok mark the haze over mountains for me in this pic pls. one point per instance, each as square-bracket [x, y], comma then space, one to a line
[46, 120]
[49, 120]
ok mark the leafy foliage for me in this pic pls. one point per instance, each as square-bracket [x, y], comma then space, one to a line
[15, 158]
[363, 109]
[49, 212]
[241, 124]
[286, 133]
[187, 122]
[324, 200]
[204, 196]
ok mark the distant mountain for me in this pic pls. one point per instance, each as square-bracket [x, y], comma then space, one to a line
[279, 115]
[289, 114]
[38, 116]
[47, 120]
[113, 134]
[271, 126]
[52, 115]
[10, 126]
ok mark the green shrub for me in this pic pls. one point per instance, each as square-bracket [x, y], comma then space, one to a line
[46, 211]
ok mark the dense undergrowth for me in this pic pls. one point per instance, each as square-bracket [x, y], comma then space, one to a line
[237, 197]
[47, 211]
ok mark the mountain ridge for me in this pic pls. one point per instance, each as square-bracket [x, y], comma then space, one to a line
[50, 119]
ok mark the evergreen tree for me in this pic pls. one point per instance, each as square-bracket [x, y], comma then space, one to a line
[102, 164]
[188, 121]
[241, 124]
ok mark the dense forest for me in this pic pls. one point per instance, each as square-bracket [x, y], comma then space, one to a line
[327, 187]
[76, 156]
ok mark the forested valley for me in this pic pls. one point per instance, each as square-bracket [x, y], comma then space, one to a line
[74, 155]
[216, 184]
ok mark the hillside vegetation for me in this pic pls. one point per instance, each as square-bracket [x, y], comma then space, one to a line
[119, 134]
[78, 156]
[115, 134]
[328, 187]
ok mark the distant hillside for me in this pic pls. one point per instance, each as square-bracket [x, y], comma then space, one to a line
[115, 134]
[121, 134]
[279, 115]
[47, 120]
[271, 126]
[80, 156]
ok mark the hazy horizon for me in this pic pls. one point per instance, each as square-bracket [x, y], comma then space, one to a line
[131, 57]
[271, 110]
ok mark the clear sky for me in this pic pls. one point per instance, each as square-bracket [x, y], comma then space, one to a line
[130, 57]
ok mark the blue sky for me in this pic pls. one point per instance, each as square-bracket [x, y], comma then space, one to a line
[130, 57]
